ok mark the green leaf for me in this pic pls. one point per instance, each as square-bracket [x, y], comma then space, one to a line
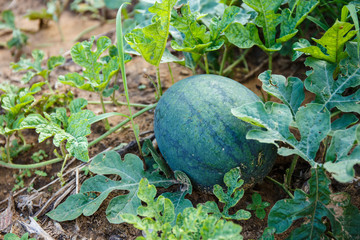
[218, 26]
[151, 40]
[131, 172]
[333, 41]
[35, 65]
[258, 206]
[268, 234]
[27, 64]
[267, 18]
[162, 209]
[341, 156]
[344, 121]
[55, 61]
[330, 92]
[8, 20]
[289, 23]
[18, 39]
[77, 105]
[247, 36]
[178, 198]
[97, 74]
[315, 207]
[230, 198]
[313, 123]
[290, 91]
[302, 43]
[197, 39]
[149, 150]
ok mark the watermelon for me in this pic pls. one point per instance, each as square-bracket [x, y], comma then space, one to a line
[197, 133]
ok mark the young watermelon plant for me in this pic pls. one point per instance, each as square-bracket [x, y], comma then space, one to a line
[34, 68]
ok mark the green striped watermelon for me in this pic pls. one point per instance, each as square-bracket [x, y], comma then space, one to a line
[197, 134]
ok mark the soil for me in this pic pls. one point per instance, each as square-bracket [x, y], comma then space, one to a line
[27, 203]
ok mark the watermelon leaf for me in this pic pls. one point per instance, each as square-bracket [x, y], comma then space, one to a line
[150, 41]
[191, 223]
[341, 156]
[333, 42]
[230, 198]
[313, 123]
[178, 198]
[289, 23]
[95, 190]
[97, 74]
[197, 39]
[329, 92]
[267, 18]
[315, 206]
[290, 91]
[74, 129]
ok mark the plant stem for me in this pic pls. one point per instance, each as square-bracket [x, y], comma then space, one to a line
[206, 64]
[21, 137]
[60, 174]
[120, 103]
[30, 166]
[7, 146]
[171, 74]
[158, 81]
[291, 171]
[223, 59]
[270, 54]
[46, 78]
[60, 31]
[106, 122]
[281, 185]
[241, 58]
[120, 125]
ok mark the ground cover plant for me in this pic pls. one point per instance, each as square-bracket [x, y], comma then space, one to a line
[312, 120]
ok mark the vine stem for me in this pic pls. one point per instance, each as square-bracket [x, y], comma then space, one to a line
[291, 171]
[7, 140]
[206, 63]
[30, 166]
[281, 185]
[106, 122]
[46, 78]
[171, 73]
[240, 59]
[121, 125]
[270, 54]
[120, 103]
[158, 81]
[223, 61]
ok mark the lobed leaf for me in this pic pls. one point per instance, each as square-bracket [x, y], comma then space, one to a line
[131, 172]
[289, 23]
[150, 41]
[330, 93]
[290, 91]
[267, 18]
[97, 74]
[341, 156]
[314, 207]
[313, 123]
[333, 42]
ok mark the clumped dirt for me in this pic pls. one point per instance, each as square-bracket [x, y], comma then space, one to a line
[96, 226]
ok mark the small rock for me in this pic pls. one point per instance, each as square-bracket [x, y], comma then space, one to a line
[184, 72]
